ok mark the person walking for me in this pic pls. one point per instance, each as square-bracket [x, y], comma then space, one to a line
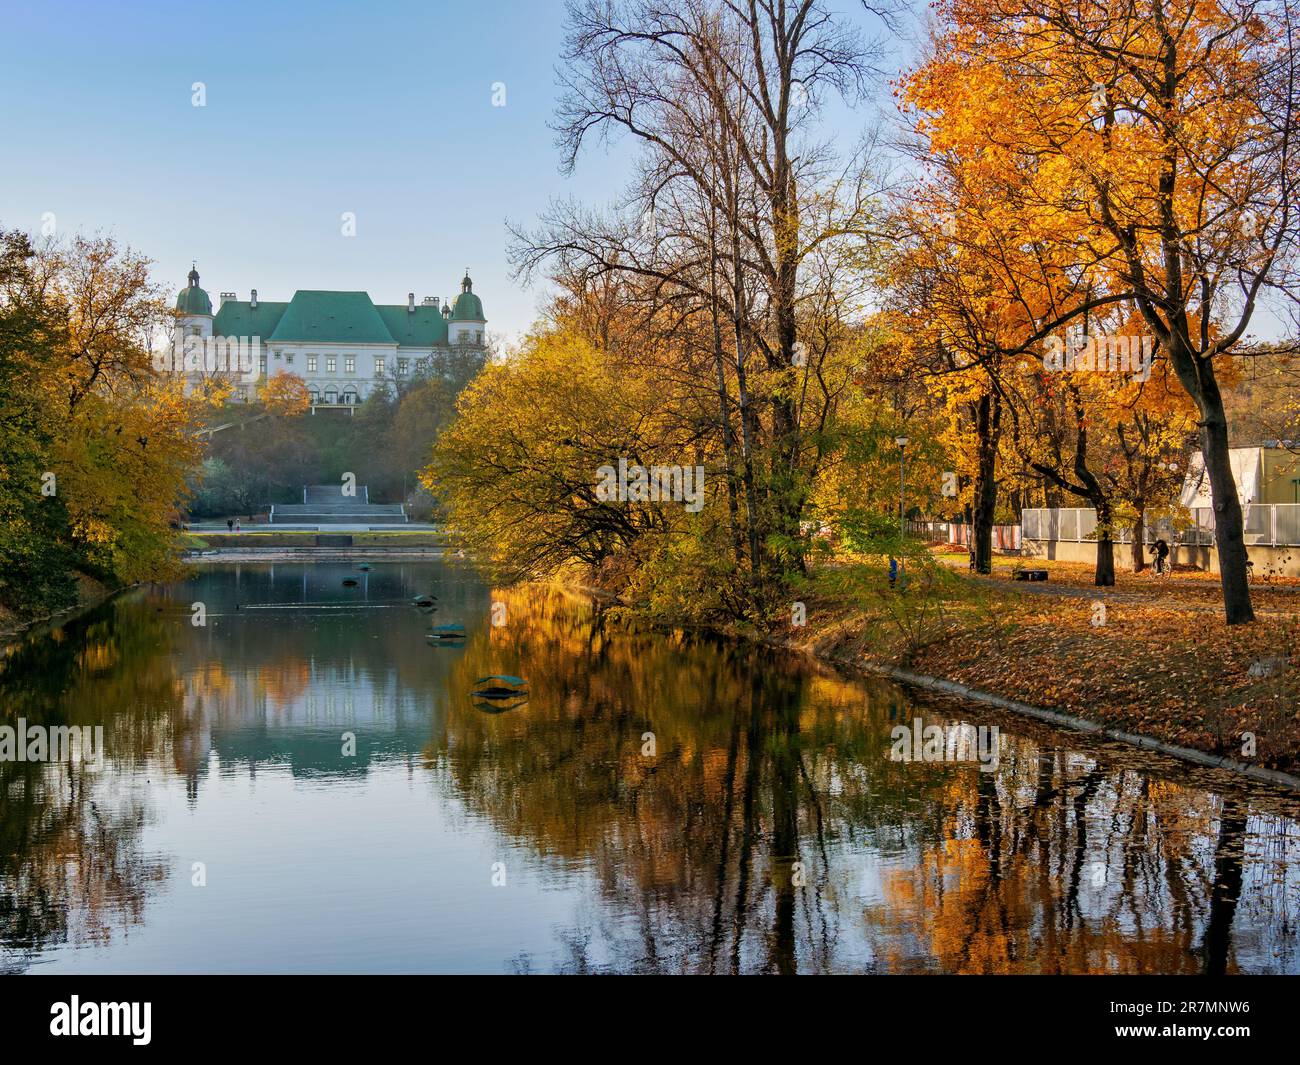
[236, 525]
[230, 524]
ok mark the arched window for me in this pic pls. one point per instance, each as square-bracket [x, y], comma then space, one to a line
[314, 392]
[350, 396]
[331, 396]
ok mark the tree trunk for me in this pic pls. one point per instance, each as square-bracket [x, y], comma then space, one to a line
[724, 404]
[1229, 525]
[987, 427]
[746, 434]
[1139, 534]
[1105, 573]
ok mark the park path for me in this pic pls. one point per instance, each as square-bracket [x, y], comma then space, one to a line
[1164, 592]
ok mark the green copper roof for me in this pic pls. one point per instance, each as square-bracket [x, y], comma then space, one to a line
[237, 318]
[468, 307]
[425, 328]
[331, 317]
[192, 299]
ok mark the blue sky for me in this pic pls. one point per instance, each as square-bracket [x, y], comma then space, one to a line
[312, 110]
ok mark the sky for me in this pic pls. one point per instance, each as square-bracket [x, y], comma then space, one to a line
[313, 110]
[381, 109]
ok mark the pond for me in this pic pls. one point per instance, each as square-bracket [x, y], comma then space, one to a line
[293, 779]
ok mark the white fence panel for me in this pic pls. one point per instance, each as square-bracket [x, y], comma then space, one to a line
[1267, 524]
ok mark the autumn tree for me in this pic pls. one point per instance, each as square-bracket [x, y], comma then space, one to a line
[97, 445]
[1162, 133]
[518, 469]
[728, 232]
[284, 394]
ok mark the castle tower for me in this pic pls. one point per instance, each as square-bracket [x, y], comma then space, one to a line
[193, 309]
[467, 323]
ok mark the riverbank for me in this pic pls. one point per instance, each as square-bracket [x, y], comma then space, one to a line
[1144, 662]
[1148, 662]
[90, 594]
[313, 554]
[264, 538]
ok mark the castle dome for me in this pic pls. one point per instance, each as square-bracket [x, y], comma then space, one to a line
[192, 299]
[468, 308]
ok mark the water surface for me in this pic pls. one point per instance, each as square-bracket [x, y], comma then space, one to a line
[761, 826]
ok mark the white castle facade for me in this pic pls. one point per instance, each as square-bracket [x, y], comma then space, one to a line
[342, 344]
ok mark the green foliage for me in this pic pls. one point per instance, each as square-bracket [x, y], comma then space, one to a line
[94, 448]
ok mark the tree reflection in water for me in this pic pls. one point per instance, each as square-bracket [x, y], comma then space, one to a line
[1063, 860]
[768, 831]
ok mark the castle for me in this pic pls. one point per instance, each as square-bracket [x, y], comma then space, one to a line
[343, 345]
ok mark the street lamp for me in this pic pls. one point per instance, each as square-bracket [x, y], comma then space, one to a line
[902, 442]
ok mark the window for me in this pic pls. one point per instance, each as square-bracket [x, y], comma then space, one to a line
[262, 366]
[331, 396]
[402, 366]
[314, 393]
[279, 353]
[331, 364]
[421, 365]
[350, 364]
[288, 359]
[379, 366]
[311, 363]
[350, 396]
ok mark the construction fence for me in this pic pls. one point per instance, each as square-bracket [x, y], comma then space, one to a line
[1267, 525]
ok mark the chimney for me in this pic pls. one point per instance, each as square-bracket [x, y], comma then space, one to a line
[430, 301]
[252, 303]
[227, 296]
[410, 303]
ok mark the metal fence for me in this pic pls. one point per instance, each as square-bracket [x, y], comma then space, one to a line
[1267, 525]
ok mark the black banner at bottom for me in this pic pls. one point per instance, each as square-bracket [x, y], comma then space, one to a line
[166, 1013]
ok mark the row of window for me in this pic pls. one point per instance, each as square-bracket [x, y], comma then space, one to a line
[350, 364]
[333, 396]
[329, 397]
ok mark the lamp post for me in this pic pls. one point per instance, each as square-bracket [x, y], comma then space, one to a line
[902, 442]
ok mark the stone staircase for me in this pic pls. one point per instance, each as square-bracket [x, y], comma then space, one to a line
[325, 504]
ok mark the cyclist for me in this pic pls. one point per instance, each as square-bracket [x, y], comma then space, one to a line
[1162, 553]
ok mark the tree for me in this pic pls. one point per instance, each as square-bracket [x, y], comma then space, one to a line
[97, 446]
[518, 469]
[729, 241]
[285, 395]
[1162, 133]
[34, 556]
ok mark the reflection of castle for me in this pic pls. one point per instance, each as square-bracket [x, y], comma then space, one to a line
[279, 674]
[341, 343]
[307, 733]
